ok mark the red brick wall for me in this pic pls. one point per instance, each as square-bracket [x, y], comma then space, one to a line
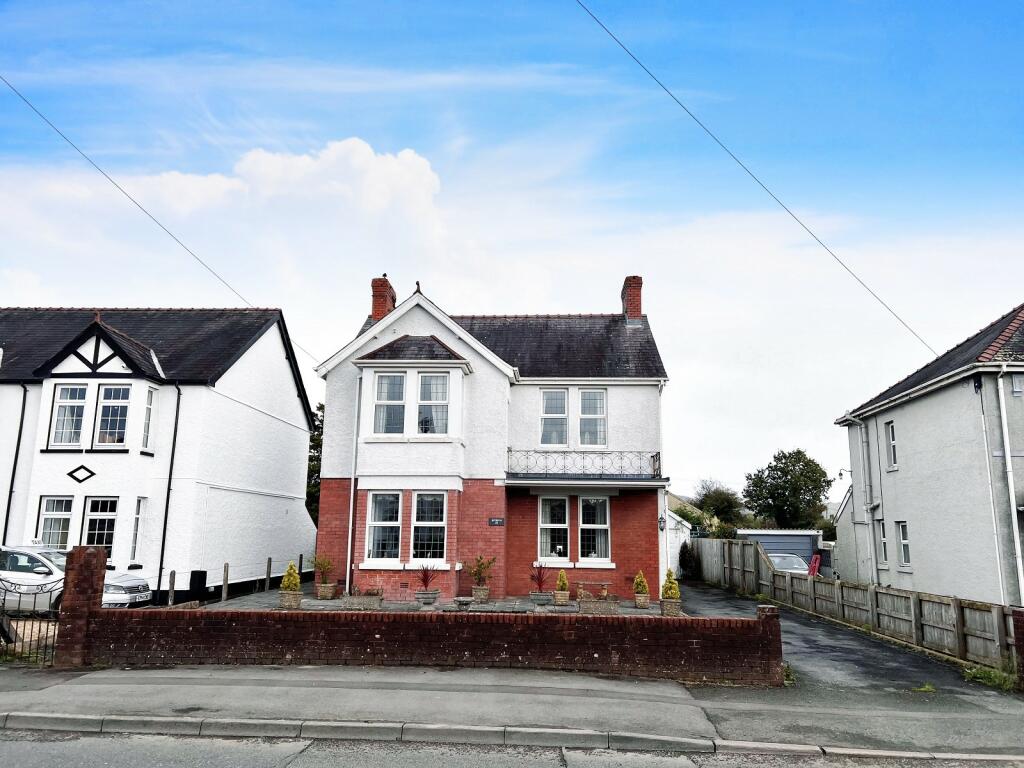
[740, 651]
[632, 288]
[332, 526]
[482, 500]
[634, 535]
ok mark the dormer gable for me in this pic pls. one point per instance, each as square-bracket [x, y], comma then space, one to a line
[100, 350]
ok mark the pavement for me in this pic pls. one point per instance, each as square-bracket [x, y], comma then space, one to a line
[850, 690]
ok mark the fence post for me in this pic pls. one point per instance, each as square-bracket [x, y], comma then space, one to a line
[915, 618]
[840, 605]
[999, 634]
[224, 585]
[958, 629]
[170, 589]
[300, 566]
[873, 607]
[812, 592]
[757, 568]
[266, 584]
[726, 563]
[789, 588]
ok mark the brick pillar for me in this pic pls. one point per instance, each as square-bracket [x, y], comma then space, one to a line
[83, 593]
[1018, 641]
[771, 632]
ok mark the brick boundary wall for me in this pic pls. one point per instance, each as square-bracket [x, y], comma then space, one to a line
[696, 650]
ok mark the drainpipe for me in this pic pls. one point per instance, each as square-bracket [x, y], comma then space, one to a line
[869, 500]
[167, 500]
[991, 494]
[1011, 489]
[352, 486]
[14, 465]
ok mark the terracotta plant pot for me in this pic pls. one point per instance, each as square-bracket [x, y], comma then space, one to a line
[291, 601]
[642, 601]
[481, 594]
[561, 598]
[670, 607]
[427, 596]
[325, 591]
[541, 598]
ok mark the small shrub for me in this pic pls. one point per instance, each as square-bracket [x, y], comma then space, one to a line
[670, 589]
[788, 675]
[995, 678]
[539, 575]
[562, 582]
[640, 584]
[426, 576]
[290, 581]
[924, 688]
[689, 561]
[323, 566]
[480, 571]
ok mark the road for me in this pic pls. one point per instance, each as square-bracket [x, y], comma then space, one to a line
[46, 750]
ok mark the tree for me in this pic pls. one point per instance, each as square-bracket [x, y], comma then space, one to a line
[791, 490]
[716, 499]
[316, 444]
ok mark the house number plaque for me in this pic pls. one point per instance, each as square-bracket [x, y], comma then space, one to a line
[496, 521]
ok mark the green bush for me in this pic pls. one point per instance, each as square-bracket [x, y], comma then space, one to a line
[480, 571]
[640, 585]
[290, 581]
[562, 582]
[670, 589]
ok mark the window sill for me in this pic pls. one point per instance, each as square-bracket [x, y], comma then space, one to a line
[107, 450]
[381, 565]
[554, 564]
[883, 567]
[412, 439]
[601, 564]
[892, 469]
[61, 450]
[146, 453]
[905, 568]
[437, 565]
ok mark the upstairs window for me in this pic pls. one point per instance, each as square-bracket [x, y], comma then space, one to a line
[555, 418]
[385, 529]
[389, 410]
[903, 533]
[433, 406]
[890, 443]
[554, 529]
[68, 412]
[595, 534]
[884, 542]
[113, 415]
[56, 522]
[147, 424]
[428, 528]
[593, 417]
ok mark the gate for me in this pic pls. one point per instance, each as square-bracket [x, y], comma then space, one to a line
[28, 621]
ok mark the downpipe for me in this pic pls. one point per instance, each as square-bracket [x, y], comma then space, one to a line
[868, 491]
[992, 494]
[1011, 488]
[352, 486]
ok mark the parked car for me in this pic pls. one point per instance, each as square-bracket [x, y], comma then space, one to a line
[36, 579]
[789, 563]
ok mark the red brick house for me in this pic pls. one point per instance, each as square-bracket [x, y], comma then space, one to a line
[534, 439]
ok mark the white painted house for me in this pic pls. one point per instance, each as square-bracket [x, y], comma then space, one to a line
[175, 438]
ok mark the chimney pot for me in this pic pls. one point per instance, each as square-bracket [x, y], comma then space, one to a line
[631, 301]
[383, 297]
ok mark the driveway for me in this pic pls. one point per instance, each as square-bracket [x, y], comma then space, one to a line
[850, 686]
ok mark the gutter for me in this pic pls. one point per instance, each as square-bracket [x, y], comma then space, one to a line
[352, 486]
[1011, 489]
[14, 465]
[167, 500]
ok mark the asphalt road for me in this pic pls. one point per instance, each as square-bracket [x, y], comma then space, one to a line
[46, 750]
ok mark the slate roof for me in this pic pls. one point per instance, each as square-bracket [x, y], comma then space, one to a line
[1002, 341]
[413, 348]
[193, 345]
[567, 346]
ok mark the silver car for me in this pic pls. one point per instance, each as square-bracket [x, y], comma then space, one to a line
[32, 580]
[789, 564]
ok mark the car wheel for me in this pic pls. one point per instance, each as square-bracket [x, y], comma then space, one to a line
[55, 605]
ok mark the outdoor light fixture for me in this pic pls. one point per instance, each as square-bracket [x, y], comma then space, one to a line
[661, 522]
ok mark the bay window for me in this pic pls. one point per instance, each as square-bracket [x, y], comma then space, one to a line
[384, 529]
[389, 407]
[433, 404]
[553, 533]
[428, 531]
[595, 528]
[68, 412]
[113, 415]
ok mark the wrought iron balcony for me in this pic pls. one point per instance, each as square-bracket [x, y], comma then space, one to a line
[584, 465]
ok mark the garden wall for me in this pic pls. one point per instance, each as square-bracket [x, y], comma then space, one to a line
[715, 650]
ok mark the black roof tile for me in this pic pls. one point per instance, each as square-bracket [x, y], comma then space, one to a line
[413, 348]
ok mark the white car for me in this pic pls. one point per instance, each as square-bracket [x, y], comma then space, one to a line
[32, 580]
[790, 564]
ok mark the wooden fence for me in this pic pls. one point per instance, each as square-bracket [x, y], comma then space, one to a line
[964, 629]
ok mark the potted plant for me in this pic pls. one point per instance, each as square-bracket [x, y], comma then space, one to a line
[291, 588]
[426, 595]
[323, 567]
[641, 592]
[561, 588]
[539, 575]
[670, 601]
[480, 572]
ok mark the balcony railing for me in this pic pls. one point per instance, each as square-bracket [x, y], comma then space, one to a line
[584, 465]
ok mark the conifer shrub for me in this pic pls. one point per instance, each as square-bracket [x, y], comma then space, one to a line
[290, 581]
[640, 584]
[562, 582]
[670, 589]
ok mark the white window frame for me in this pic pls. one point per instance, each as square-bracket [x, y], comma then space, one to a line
[413, 560]
[370, 525]
[58, 402]
[141, 503]
[884, 541]
[564, 415]
[603, 416]
[903, 537]
[45, 515]
[1017, 384]
[890, 445]
[148, 422]
[446, 402]
[377, 403]
[541, 525]
[90, 515]
[606, 527]
[100, 402]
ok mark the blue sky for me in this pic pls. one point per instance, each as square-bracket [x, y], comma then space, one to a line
[895, 129]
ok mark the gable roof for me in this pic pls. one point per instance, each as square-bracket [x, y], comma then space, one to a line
[1001, 341]
[192, 346]
[566, 346]
[413, 348]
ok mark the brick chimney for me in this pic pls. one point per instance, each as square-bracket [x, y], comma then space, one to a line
[383, 297]
[631, 305]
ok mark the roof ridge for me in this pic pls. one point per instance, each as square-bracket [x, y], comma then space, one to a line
[117, 331]
[548, 316]
[144, 309]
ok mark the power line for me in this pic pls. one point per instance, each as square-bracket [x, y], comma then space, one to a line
[139, 205]
[754, 176]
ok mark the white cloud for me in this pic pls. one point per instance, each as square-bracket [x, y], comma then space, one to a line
[766, 340]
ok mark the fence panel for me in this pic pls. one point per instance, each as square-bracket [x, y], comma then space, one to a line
[937, 624]
[855, 604]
